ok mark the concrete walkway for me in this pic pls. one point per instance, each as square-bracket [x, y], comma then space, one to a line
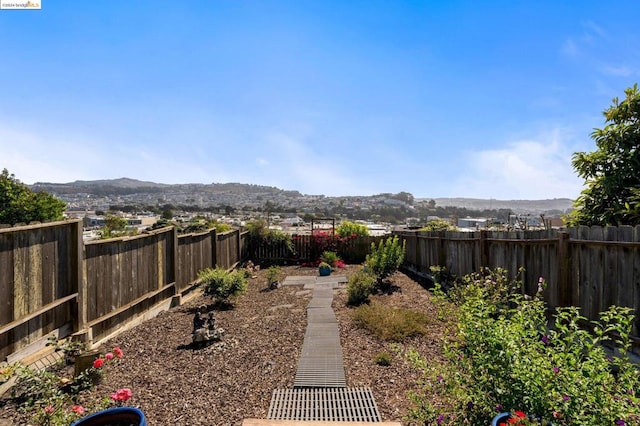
[320, 395]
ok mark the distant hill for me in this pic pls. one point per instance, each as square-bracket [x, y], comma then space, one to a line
[126, 186]
[517, 206]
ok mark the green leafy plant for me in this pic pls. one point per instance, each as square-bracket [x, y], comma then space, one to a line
[7, 371]
[330, 257]
[273, 276]
[50, 398]
[223, 284]
[437, 225]
[359, 287]
[260, 235]
[22, 205]
[70, 347]
[352, 229]
[383, 358]
[385, 259]
[390, 324]
[611, 173]
[505, 358]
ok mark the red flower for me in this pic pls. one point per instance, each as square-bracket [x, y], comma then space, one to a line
[122, 395]
[109, 356]
[118, 352]
[79, 409]
[49, 409]
[98, 363]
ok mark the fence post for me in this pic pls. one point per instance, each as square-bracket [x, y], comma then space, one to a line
[79, 279]
[484, 249]
[174, 258]
[416, 253]
[214, 248]
[238, 247]
[442, 256]
[564, 292]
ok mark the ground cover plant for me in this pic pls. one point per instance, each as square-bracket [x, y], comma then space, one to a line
[390, 323]
[223, 285]
[505, 358]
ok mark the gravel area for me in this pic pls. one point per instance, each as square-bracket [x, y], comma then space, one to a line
[225, 382]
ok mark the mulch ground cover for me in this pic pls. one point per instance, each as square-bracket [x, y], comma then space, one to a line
[175, 383]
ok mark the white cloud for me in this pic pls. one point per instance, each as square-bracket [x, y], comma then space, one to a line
[570, 48]
[538, 168]
[299, 166]
[593, 31]
[620, 71]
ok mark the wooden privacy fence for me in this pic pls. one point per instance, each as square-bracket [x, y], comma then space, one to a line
[588, 267]
[51, 283]
[308, 248]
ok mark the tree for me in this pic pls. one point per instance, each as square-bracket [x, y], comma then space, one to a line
[612, 171]
[19, 204]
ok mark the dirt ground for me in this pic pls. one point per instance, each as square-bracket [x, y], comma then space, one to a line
[221, 384]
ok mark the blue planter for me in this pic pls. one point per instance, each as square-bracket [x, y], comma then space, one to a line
[324, 270]
[119, 416]
[504, 418]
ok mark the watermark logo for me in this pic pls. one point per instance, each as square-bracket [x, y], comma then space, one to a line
[20, 5]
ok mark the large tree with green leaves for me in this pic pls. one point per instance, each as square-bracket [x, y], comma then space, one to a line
[612, 171]
[19, 204]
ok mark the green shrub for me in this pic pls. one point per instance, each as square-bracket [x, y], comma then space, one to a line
[360, 287]
[223, 284]
[504, 358]
[390, 324]
[352, 229]
[330, 257]
[260, 235]
[383, 358]
[437, 225]
[273, 274]
[386, 258]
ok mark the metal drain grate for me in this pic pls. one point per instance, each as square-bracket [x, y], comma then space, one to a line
[341, 405]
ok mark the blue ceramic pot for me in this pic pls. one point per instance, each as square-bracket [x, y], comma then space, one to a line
[119, 416]
[504, 418]
[324, 270]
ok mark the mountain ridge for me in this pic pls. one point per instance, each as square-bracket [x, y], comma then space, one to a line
[126, 185]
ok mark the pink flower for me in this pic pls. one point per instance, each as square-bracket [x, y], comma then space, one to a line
[79, 409]
[49, 409]
[98, 363]
[118, 352]
[122, 395]
[109, 356]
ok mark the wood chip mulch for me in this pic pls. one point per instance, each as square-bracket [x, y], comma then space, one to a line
[175, 383]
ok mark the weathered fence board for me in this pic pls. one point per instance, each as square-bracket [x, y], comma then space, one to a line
[589, 267]
[195, 253]
[36, 269]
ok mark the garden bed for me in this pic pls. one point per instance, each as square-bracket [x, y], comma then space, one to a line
[221, 384]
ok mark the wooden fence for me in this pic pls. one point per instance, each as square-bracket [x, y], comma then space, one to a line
[308, 248]
[53, 284]
[589, 267]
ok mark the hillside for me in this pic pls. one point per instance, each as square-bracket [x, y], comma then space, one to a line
[561, 204]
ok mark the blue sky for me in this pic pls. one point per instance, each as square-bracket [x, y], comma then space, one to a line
[437, 98]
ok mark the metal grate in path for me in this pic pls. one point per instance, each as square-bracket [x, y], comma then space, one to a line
[341, 404]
